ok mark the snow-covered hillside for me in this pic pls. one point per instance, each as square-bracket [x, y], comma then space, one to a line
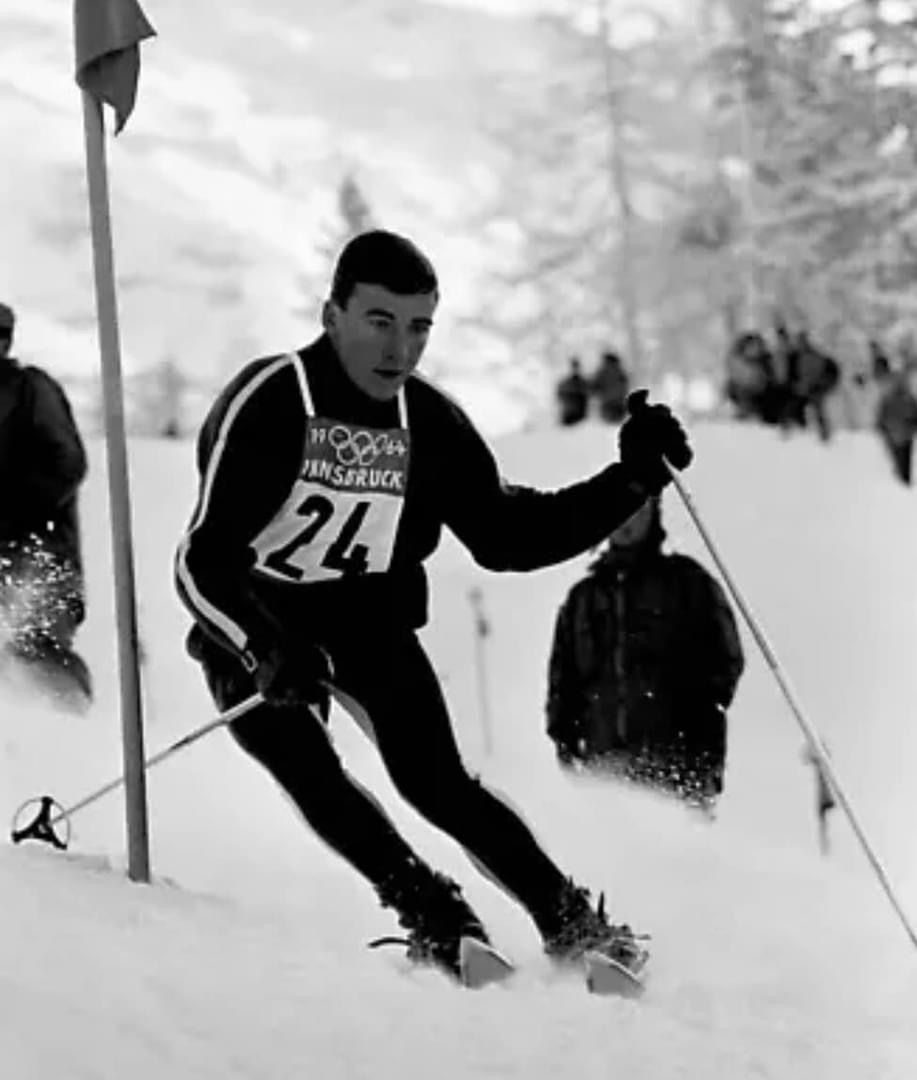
[246, 958]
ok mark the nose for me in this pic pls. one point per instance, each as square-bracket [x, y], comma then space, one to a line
[398, 346]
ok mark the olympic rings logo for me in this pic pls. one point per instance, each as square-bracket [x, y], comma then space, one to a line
[361, 447]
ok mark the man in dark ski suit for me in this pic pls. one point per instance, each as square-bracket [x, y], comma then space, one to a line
[42, 464]
[327, 476]
[645, 661]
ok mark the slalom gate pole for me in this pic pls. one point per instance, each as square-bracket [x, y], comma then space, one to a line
[65, 813]
[815, 743]
[481, 633]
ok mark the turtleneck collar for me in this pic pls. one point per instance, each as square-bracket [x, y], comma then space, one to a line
[332, 388]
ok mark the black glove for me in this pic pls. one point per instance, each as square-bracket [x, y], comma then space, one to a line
[292, 676]
[649, 437]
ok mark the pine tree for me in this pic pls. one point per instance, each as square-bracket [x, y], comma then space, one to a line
[353, 216]
[826, 97]
[603, 162]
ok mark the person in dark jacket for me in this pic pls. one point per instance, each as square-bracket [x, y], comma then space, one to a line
[752, 383]
[326, 478]
[817, 375]
[573, 396]
[610, 385]
[42, 464]
[644, 663]
[896, 420]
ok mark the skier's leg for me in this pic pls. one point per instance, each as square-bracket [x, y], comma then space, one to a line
[394, 681]
[400, 693]
[294, 746]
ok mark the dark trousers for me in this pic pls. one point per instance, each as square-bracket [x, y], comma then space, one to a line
[392, 679]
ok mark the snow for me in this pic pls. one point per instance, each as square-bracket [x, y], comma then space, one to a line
[245, 957]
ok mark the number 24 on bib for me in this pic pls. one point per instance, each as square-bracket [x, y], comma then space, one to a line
[341, 517]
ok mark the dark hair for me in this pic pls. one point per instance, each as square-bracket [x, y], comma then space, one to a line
[382, 258]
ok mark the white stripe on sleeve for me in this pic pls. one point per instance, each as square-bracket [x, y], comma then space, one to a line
[203, 607]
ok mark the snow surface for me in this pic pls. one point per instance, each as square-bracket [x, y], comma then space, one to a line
[246, 956]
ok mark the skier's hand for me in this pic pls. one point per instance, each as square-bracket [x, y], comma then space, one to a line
[294, 676]
[650, 437]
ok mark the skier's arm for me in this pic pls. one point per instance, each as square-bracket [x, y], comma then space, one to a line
[250, 451]
[511, 527]
[56, 463]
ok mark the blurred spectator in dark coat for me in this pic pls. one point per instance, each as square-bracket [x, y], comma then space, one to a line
[42, 464]
[751, 380]
[645, 661]
[610, 385]
[896, 420]
[572, 395]
[816, 377]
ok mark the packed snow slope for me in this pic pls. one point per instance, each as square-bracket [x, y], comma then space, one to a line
[246, 956]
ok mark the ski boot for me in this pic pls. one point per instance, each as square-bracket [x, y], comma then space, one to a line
[435, 914]
[575, 929]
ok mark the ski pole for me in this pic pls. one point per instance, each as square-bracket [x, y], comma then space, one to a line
[815, 742]
[42, 828]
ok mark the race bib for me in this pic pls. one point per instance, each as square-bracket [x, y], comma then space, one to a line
[341, 518]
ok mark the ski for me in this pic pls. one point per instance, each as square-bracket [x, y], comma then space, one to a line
[607, 977]
[481, 964]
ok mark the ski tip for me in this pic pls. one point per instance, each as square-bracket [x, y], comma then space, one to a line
[605, 976]
[481, 964]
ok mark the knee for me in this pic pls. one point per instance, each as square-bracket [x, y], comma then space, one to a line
[442, 798]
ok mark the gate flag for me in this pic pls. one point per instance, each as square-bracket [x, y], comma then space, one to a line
[107, 35]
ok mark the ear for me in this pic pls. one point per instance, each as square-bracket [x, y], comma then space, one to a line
[329, 316]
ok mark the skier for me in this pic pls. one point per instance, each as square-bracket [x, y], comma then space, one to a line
[645, 661]
[42, 464]
[326, 477]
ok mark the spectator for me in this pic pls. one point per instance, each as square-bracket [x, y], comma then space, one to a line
[816, 376]
[610, 385]
[896, 420]
[645, 661]
[751, 381]
[42, 464]
[573, 395]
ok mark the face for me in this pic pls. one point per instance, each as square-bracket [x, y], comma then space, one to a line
[380, 336]
[6, 343]
[635, 530]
